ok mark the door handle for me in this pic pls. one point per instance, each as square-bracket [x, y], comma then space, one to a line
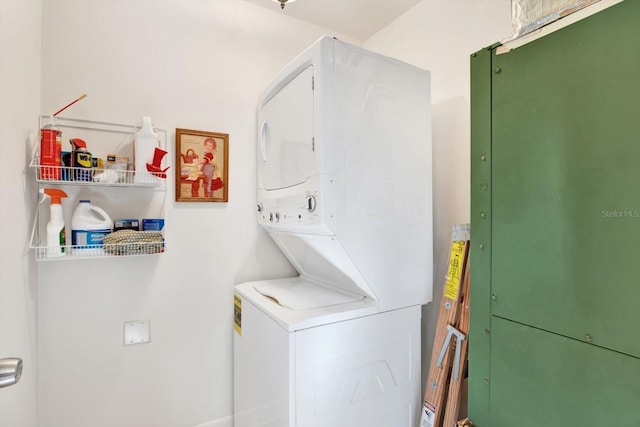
[265, 141]
[10, 371]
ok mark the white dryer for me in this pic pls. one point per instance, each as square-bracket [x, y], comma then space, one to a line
[344, 189]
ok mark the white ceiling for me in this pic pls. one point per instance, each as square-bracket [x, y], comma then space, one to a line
[359, 19]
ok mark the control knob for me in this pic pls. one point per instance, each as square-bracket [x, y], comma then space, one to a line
[311, 203]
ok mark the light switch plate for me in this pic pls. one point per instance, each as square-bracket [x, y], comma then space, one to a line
[136, 332]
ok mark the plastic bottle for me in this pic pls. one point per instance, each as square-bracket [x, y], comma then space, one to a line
[55, 227]
[89, 225]
[145, 142]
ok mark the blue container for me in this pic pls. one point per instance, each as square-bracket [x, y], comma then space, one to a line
[152, 224]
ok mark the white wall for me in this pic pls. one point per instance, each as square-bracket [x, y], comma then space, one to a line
[190, 64]
[19, 104]
[440, 35]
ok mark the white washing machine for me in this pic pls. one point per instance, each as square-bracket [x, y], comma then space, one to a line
[344, 189]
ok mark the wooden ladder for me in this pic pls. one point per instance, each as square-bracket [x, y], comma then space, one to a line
[449, 355]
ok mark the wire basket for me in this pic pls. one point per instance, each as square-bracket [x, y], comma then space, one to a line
[118, 243]
[116, 176]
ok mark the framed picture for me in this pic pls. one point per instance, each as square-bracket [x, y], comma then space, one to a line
[202, 166]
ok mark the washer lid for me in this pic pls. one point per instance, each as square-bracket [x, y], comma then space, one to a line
[299, 294]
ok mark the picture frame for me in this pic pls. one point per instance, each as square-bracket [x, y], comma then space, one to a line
[202, 166]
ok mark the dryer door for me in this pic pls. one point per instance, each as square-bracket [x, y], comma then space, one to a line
[285, 134]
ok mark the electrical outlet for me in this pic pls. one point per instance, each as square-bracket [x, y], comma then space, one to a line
[136, 332]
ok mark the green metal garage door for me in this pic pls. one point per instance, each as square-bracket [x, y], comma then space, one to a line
[556, 227]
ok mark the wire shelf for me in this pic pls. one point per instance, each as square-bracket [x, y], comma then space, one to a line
[69, 252]
[94, 177]
[111, 147]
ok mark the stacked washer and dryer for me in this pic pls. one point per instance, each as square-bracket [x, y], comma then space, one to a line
[344, 189]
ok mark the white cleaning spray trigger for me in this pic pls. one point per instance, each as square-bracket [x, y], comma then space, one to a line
[55, 227]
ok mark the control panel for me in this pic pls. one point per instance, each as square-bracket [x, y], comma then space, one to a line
[293, 211]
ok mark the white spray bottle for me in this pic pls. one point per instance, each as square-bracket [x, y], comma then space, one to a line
[55, 227]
